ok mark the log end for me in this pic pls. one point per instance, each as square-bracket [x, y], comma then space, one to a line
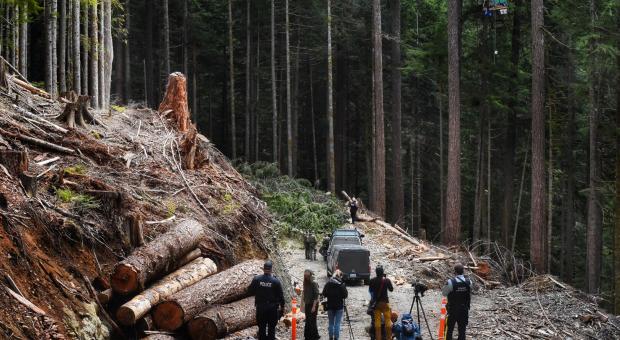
[126, 316]
[201, 328]
[168, 316]
[124, 279]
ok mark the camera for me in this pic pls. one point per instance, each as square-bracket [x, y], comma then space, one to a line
[419, 287]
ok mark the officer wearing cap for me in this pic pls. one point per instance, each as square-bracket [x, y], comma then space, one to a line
[458, 291]
[269, 301]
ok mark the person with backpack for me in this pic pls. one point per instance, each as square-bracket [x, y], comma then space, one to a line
[335, 291]
[406, 328]
[380, 303]
[458, 291]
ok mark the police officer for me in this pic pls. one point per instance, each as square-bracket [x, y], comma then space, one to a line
[269, 301]
[458, 291]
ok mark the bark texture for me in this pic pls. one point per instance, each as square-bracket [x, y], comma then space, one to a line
[156, 258]
[538, 229]
[453, 192]
[377, 203]
[226, 286]
[175, 105]
[217, 321]
[184, 277]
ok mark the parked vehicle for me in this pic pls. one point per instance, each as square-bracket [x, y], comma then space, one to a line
[346, 253]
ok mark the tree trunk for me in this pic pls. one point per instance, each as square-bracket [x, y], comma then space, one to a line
[184, 277]
[568, 198]
[62, 54]
[378, 140]
[231, 72]
[295, 104]
[453, 193]
[442, 181]
[257, 103]
[156, 258]
[477, 226]
[127, 54]
[289, 114]
[94, 56]
[331, 159]
[109, 52]
[84, 47]
[248, 58]
[274, 95]
[510, 129]
[54, 49]
[101, 48]
[315, 163]
[77, 58]
[398, 203]
[538, 232]
[617, 216]
[217, 321]
[226, 286]
[251, 332]
[166, 20]
[594, 239]
[50, 43]
[175, 105]
[23, 49]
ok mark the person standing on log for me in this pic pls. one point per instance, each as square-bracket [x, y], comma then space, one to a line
[335, 291]
[311, 305]
[458, 291]
[353, 210]
[269, 302]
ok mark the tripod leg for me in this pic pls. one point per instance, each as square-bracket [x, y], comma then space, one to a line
[425, 320]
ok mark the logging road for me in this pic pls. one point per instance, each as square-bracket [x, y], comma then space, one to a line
[400, 299]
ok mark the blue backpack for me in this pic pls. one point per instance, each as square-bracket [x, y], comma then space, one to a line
[406, 328]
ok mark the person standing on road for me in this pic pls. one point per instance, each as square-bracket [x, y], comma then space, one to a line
[353, 210]
[269, 302]
[307, 244]
[336, 292]
[458, 291]
[379, 287]
[312, 247]
[311, 305]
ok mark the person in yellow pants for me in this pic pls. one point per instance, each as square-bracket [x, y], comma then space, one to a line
[379, 287]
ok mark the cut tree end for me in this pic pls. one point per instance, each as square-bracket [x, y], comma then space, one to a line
[201, 328]
[126, 316]
[124, 279]
[168, 316]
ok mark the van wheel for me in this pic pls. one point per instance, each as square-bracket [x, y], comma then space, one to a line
[366, 282]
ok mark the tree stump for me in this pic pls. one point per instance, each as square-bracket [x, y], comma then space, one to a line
[133, 230]
[76, 112]
[189, 148]
[16, 162]
[175, 105]
[30, 182]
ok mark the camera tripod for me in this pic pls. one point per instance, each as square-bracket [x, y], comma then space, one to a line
[348, 320]
[417, 301]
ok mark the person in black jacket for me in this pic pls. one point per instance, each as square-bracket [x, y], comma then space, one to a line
[336, 292]
[269, 301]
[458, 291]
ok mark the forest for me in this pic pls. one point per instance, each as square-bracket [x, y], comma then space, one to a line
[466, 121]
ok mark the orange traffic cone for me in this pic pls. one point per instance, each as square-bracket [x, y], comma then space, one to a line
[294, 319]
[442, 320]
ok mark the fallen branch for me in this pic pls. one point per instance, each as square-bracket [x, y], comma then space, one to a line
[38, 142]
[434, 258]
[25, 301]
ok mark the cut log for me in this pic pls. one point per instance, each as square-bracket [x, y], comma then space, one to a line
[156, 258]
[191, 256]
[135, 309]
[251, 332]
[217, 321]
[433, 258]
[224, 287]
[105, 296]
[175, 101]
[30, 88]
[144, 325]
[160, 336]
[37, 142]
[16, 162]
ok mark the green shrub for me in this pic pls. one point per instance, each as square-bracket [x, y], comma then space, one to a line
[295, 204]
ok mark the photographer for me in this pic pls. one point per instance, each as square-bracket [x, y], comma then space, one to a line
[378, 288]
[335, 292]
[269, 302]
[311, 305]
[458, 291]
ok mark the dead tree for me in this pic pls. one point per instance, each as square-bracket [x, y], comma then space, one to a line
[174, 105]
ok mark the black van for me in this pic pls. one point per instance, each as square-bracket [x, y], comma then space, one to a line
[352, 260]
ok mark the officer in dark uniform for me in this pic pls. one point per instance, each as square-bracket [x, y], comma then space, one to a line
[458, 291]
[269, 301]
